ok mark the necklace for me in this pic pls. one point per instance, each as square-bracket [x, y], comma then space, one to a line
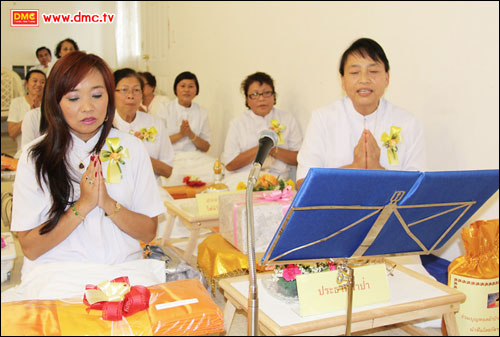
[81, 165]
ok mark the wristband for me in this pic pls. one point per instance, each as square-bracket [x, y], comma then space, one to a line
[73, 208]
[194, 138]
[117, 208]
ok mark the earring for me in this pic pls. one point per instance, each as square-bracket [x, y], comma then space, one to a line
[106, 119]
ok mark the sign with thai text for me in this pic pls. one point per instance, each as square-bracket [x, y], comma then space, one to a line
[320, 292]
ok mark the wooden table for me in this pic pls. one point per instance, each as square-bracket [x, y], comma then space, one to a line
[407, 304]
[187, 211]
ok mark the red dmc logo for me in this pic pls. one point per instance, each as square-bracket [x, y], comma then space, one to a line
[24, 17]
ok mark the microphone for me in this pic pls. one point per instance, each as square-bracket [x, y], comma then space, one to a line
[267, 140]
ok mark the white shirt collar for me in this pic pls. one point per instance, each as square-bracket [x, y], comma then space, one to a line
[351, 111]
[88, 145]
[178, 106]
[266, 118]
[122, 124]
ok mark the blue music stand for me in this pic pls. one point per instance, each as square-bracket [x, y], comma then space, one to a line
[349, 214]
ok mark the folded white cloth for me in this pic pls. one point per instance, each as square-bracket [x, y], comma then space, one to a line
[60, 280]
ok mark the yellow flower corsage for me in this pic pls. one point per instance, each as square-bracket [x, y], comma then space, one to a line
[277, 127]
[391, 143]
[115, 156]
[147, 135]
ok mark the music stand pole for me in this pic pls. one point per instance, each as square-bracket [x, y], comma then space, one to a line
[346, 273]
[350, 288]
[253, 300]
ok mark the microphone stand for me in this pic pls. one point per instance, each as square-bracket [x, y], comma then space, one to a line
[253, 301]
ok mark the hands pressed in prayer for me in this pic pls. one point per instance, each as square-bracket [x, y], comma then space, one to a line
[367, 152]
[93, 190]
[185, 129]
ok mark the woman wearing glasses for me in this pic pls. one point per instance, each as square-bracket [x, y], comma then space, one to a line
[150, 129]
[242, 138]
[187, 122]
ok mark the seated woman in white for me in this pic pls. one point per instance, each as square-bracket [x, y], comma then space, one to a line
[150, 129]
[151, 102]
[19, 106]
[242, 138]
[350, 132]
[83, 190]
[187, 122]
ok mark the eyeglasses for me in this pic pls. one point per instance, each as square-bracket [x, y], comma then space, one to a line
[265, 94]
[134, 91]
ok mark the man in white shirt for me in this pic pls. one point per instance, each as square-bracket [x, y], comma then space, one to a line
[44, 56]
[362, 130]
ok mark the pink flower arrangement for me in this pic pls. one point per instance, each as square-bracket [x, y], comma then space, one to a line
[290, 272]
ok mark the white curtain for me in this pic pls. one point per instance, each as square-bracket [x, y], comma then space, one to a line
[128, 34]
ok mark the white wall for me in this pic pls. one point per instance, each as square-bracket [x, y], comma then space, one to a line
[20, 43]
[443, 55]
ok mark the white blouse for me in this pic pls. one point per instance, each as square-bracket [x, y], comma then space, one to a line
[198, 121]
[243, 134]
[158, 148]
[96, 239]
[17, 111]
[158, 106]
[334, 131]
[30, 129]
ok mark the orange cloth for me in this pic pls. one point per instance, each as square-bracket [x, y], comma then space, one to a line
[9, 163]
[481, 251]
[69, 317]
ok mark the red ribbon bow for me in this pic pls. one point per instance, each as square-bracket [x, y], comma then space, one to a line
[193, 183]
[135, 300]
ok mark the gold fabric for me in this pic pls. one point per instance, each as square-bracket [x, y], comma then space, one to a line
[216, 256]
[481, 251]
[218, 259]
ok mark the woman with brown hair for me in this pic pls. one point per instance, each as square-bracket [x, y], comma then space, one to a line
[84, 191]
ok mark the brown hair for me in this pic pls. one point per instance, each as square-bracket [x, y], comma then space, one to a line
[50, 154]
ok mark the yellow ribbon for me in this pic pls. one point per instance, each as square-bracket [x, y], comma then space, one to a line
[108, 291]
[277, 127]
[114, 172]
[391, 143]
[148, 135]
